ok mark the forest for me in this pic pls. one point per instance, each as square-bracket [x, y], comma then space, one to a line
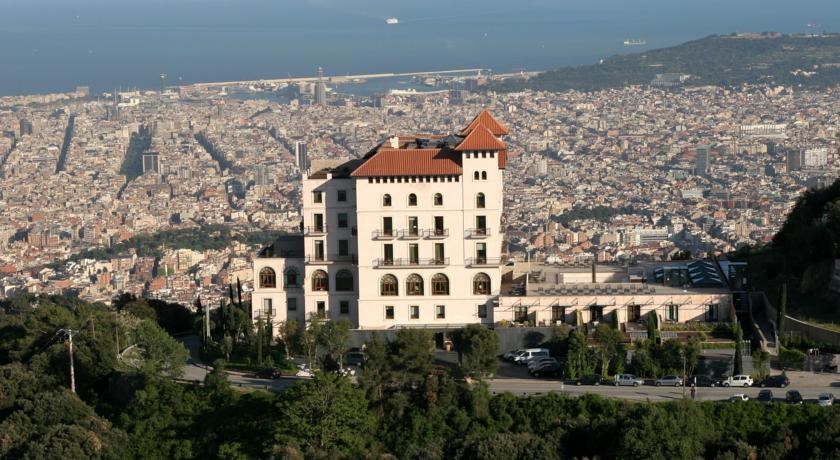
[131, 405]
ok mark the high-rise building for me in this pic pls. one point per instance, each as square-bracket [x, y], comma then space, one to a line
[815, 158]
[408, 236]
[261, 175]
[301, 157]
[151, 162]
[25, 128]
[320, 89]
[793, 158]
[701, 161]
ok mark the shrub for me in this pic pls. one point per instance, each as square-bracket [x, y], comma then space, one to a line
[791, 358]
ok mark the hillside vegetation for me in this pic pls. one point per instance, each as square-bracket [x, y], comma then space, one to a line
[714, 60]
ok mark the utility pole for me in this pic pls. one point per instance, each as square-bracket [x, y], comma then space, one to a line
[682, 353]
[70, 333]
[117, 339]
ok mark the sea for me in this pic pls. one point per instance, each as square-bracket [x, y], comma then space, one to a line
[55, 45]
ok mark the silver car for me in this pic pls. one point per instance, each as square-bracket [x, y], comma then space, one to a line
[628, 380]
[669, 381]
[826, 399]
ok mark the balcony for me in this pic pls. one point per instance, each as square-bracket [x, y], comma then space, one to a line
[314, 259]
[483, 262]
[343, 258]
[410, 263]
[320, 259]
[387, 234]
[410, 234]
[317, 230]
[435, 233]
[477, 232]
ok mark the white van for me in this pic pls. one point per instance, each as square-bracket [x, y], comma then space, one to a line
[527, 355]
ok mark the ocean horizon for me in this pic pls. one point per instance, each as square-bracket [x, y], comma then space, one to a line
[52, 46]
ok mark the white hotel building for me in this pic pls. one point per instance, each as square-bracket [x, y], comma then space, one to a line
[408, 236]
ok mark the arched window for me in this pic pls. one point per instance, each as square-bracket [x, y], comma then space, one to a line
[412, 200]
[320, 281]
[475, 175]
[479, 200]
[388, 285]
[440, 284]
[268, 279]
[414, 285]
[386, 200]
[438, 199]
[292, 277]
[483, 175]
[344, 281]
[481, 284]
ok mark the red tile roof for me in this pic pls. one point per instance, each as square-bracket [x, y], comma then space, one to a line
[485, 119]
[480, 138]
[410, 162]
[502, 159]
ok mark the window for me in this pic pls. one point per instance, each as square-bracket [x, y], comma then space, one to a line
[476, 176]
[342, 220]
[342, 195]
[440, 311]
[438, 199]
[344, 307]
[481, 253]
[389, 312]
[558, 313]
[386, 200]
[292, 279]
[634, 313]
[388, 285]
[414, 285]
[344, 281]
[481, 284]
[412, 200]
[413, 253]
[291, 304]
[483, 175]
[479, 201]
[481, 225]
[712, 311]
[520, 314]
[320, 282]
[388, 253]
[482, 310]
[440, 254]
[268, 279]
[321, 309]
[319, 222]
[319, 250]
[414, 312]
[413, 226]
[596, 313]
[387, 226]
[317, 197]
[440, 284]
[439, 230]
[268, 307]
[672, 312]
[343, 247]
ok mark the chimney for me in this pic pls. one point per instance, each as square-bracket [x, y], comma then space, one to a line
[394, 142]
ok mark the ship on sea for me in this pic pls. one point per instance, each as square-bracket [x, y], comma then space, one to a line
[392, 20]
[631, 42]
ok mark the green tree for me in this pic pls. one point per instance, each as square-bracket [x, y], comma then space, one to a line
[761, 360]
[410, 359]
[476, 347]
[652, 323]
[333, 336]
[738, 363]
[153, 350]
[287, 334]
[578, 361]
[324, 417]
[608, 341]
[309, 340]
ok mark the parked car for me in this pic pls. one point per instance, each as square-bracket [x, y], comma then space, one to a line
[526, 356]
[628, 380]
[739, 397]
[304, 371]
[591, 379]
[793, 397]
[780, 381]
[552, 368]
[765, 396]
[538, 361]
[826, 399]
[509, 356]
[267, 373]
[739, 380]
[703, 381]
[669, 381]
[355, 358]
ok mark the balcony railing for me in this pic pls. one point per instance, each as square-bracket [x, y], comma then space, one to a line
[408, 263]
[435, 233]
[343, 258]
[316, 230]
[483, 262]
[477, 232]
[410, 234]
[386, 234]
[316, 259]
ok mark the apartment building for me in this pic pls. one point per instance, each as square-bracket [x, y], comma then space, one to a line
[408, 236]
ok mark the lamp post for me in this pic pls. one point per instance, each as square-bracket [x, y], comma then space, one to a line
[682, 355]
